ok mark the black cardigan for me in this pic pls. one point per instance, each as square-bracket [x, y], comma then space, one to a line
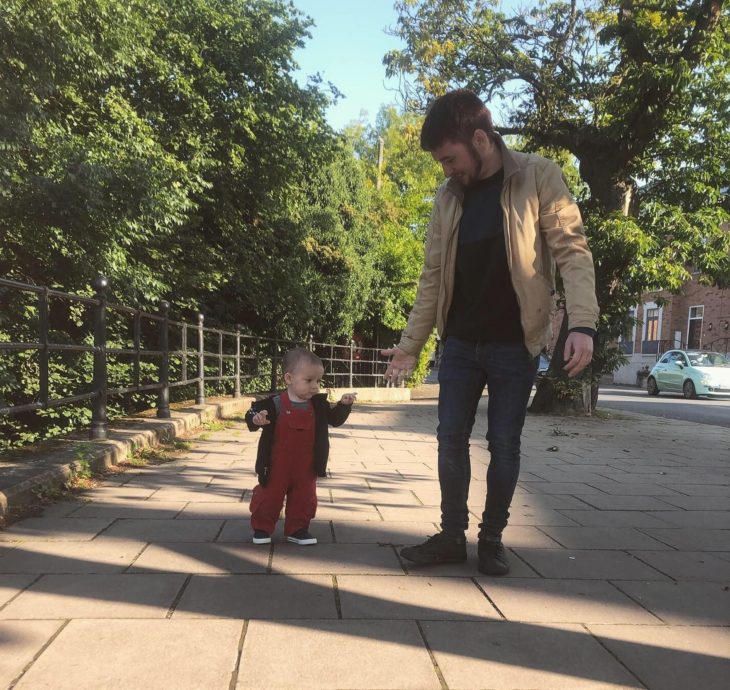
[324, 414]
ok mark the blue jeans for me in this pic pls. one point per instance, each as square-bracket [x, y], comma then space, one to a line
[508, 371]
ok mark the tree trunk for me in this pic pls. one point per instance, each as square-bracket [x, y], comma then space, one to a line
[554, 393]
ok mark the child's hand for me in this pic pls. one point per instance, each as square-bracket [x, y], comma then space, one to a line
[261, 418]
[348, 398]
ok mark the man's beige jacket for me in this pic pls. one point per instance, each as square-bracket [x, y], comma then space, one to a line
[542, 227]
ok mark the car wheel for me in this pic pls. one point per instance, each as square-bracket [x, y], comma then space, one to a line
[651, 387]
[689, 390]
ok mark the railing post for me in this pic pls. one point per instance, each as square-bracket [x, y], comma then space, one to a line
[352, 357]
[43, 340]
[99, 424]
[163, 400]
[274, 351]
[136, 335]
[220, 359]
[200, 397]
[184, 349]
[237, 380]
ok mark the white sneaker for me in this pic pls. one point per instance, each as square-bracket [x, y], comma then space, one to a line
[261, 537]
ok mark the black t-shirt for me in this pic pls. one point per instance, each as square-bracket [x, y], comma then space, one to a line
[484, 307]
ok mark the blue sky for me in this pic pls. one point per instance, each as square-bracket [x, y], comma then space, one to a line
[347, 48]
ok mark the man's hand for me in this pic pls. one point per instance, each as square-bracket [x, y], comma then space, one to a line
[401, 365]
[261, 418]
[348, 398]
[578, 353]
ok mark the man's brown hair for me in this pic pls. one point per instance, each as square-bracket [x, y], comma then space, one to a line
[455, 116]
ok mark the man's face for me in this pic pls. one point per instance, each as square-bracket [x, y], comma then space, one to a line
[303, 382]
[460, 161]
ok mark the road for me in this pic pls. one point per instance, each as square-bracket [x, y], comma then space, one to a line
[702, 410]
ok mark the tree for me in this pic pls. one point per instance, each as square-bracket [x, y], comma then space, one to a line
[402, 191]
[636, 92]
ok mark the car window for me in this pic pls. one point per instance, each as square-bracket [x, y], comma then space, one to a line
[708, 359]
[681, 359]
[666, 359]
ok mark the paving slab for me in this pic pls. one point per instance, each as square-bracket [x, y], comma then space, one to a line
[687, 565]
[509, 655]
[215, 511]
[129, 508]
[258, 597]
[150, 654]
[335, 559]
[621, 538]
[389, 532]
[178, 557]
[96, 596]
[616, 518]
[698, 519]
[20, 642]
[682, 603]
[612, 502]
[671, 658]
[704, 503]
[692, 539]
[582, 564]
[165, 530]
[98, 556]
[54, 529]
[335, 655]
[12, 585]
[563, 601]
[411, 598]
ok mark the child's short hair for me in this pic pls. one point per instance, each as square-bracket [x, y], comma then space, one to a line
[293, 358]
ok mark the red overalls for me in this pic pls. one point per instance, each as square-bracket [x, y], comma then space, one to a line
[292, 473]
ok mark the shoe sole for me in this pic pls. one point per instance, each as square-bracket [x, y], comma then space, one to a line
[302, 542]
[262, 540]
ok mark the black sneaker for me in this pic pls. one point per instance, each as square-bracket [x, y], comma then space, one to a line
[439, 548]
[492, 558]
[261, 537]
[302, 537]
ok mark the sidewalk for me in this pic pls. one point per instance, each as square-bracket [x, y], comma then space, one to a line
[619, 541]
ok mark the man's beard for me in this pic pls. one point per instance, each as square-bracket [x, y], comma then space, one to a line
[476, 158]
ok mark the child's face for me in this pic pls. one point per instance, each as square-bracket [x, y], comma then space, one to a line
[303, 382]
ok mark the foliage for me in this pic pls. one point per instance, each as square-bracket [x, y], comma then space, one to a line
[401, 207]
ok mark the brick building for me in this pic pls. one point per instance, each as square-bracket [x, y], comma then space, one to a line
[697, 318]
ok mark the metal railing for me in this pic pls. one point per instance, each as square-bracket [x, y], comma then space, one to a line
[659, 347]
[346, 364]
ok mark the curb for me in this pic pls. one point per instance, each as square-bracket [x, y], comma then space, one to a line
[57, 458]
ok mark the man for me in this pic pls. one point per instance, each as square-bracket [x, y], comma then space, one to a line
[500, 222]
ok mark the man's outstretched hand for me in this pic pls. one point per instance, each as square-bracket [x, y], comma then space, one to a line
[401, 365]
[578, 353]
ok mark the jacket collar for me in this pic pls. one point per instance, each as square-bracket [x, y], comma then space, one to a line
[510, 164]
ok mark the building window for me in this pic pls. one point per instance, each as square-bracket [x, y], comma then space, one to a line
[626, 340]
[694, 327]
[652, 330]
